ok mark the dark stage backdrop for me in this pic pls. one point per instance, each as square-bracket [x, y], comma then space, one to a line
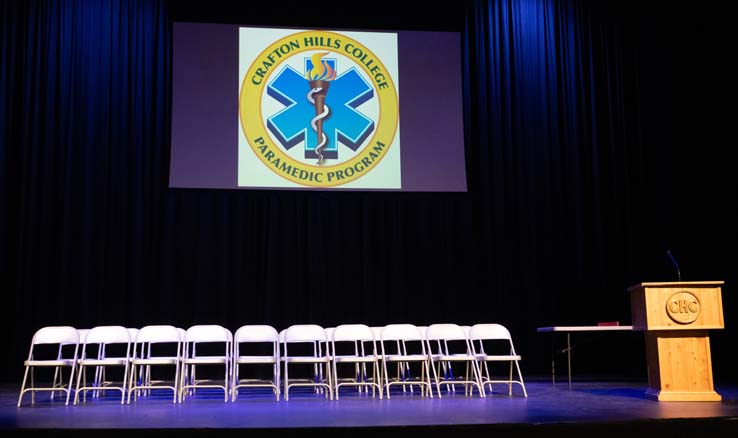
[593, 145]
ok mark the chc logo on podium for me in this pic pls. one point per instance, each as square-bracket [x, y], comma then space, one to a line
[683, 307]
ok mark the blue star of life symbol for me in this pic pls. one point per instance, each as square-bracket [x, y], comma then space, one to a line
[345, 124]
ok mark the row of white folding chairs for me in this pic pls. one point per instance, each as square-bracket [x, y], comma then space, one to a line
[439, 362]
[137, 357]
[325, 357]
[186, 359]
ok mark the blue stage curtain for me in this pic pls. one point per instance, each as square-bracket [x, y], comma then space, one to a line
[556, 153]
[84, 132]
[560, 216]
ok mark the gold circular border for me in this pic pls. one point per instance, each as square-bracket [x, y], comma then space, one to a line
[388, 109]
[671, 315]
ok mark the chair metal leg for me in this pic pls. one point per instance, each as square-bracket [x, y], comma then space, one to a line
[79, 377]
[147, 381]
[520, 375]
[335, 378]
[435, 376]
[123, 385]
[509, 385]
[71, 382]
[435, 380]
[176, 378]
[478, 377]
[386, 379]
[56, 374]
[466, 377]
[131, 377]
[330, 378]
[225, 383]
[23, 386]
[488, 380]
[234, 380]
[182, 386]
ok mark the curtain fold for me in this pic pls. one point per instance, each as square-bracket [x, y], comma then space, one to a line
[91, 234]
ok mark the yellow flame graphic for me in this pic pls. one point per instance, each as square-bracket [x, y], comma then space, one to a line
[321, 70]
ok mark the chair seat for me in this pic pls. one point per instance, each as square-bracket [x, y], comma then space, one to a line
[156, 361]
[453, 357]
[306, 359]
[354, 359]
[49, 363]
[256, 359]
[405, 358]
[206, 360]
[106, 361]
[502, 358]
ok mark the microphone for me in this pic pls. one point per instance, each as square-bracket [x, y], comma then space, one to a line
[676, 265]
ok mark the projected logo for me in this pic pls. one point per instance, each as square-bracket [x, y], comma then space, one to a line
[319, 109]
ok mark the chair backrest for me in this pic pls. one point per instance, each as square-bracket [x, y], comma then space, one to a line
[448, 332]
[106, 335]
[132, 333]
[56, 335]
[207, 333]
[111, 334]
[352, 332]
[401, 332]
[467, 329]
[158, 334]
[256, 333]
[305, 333]
[377, 332]
[329, 332]
[83, 334]
[61, 335]
[489, 331]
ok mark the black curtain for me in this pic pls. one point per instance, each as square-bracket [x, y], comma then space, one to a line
[588, 155]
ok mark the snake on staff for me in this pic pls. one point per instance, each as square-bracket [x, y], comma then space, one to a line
[313, 122]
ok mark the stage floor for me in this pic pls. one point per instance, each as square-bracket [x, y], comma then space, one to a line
[593, 403]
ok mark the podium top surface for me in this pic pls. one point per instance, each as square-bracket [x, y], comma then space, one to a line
[677, 284]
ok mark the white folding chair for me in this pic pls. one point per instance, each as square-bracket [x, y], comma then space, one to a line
[315, 335]
[143, 357]
[358, 335]
[401, 335]
[102, 336]
[255, 334]
[132, 334]
[377, 332]
[445, 367]
[447, 336]
[201, 334]
[57, 381]
[495, 332]
[317, 350]
[63, 335]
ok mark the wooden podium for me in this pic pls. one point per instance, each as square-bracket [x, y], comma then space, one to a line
[676, 317]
